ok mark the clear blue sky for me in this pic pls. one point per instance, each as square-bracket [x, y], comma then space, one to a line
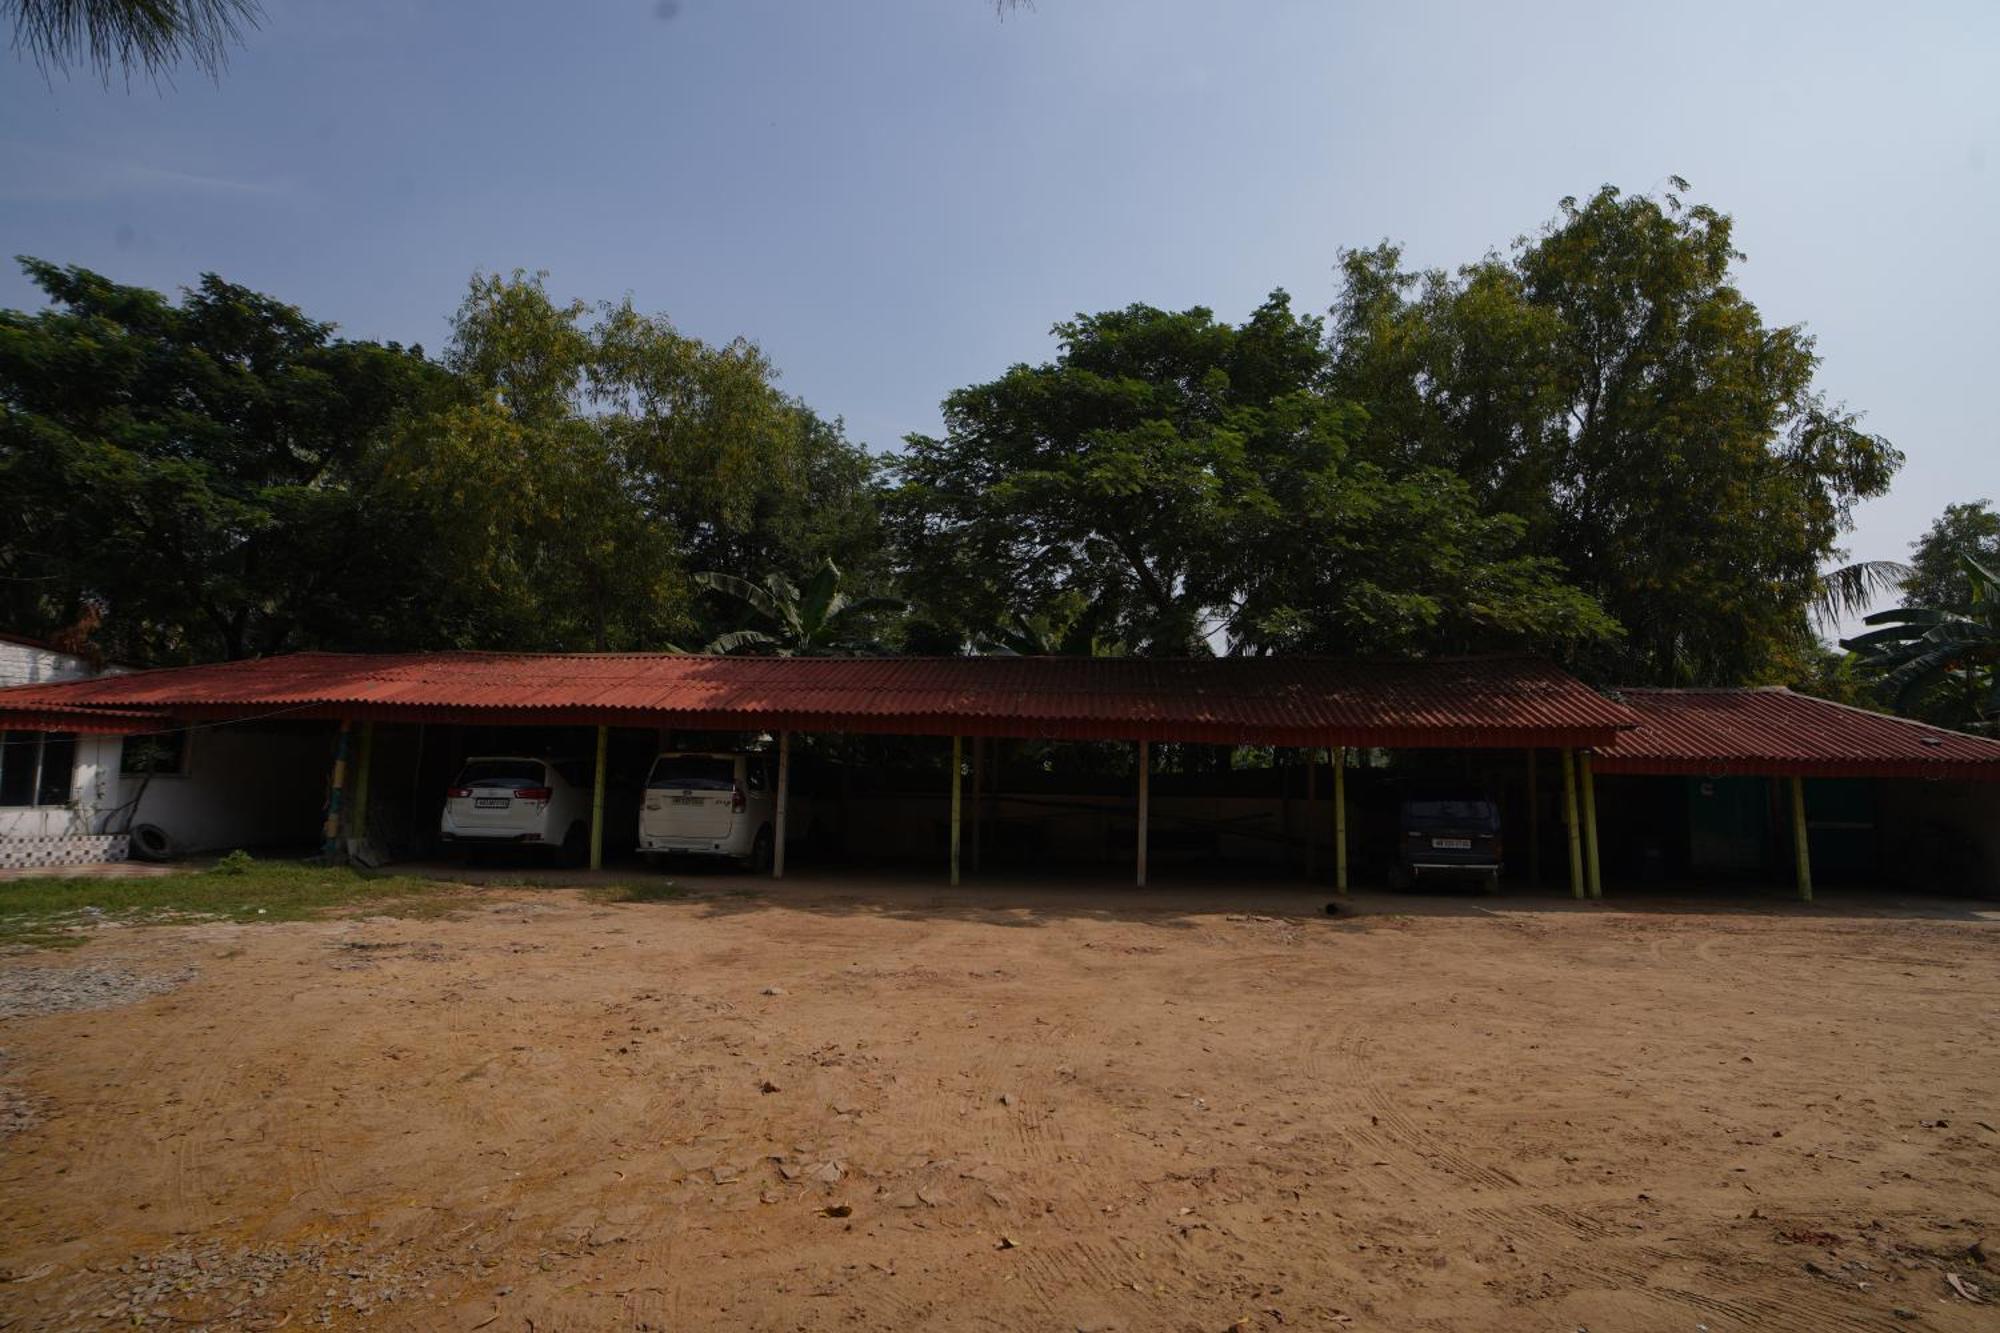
[898, 198]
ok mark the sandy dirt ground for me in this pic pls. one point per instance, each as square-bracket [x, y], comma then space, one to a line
[850, 1105]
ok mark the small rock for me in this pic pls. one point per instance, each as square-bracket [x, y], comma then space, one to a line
[774, 990]
[1007, 1243]
[767, 1086]
[1006, 1099]
[828, 1172]
[837, 1210]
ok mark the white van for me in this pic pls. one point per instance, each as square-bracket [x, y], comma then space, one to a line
[512, 799]
[714, 805]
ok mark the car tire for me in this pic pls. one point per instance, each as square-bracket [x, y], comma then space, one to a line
[1399, 878]
[760, 852]
[1489, 883]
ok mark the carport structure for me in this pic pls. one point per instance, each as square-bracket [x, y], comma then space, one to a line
[1773, 733]
[1517, 703]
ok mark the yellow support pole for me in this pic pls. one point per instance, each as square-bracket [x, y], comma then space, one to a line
[364, 764]
[1801, 840]
[597, 801]
[336, 794]
[1590, 823]
[1340, 819]
[1145, 805]
[1571, 822]
[957, 759]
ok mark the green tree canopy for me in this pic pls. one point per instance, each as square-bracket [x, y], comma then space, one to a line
[1937, 564]
[1609, 384]
[595, 455]
[183, 467]
[222, 476]
[1191, 480]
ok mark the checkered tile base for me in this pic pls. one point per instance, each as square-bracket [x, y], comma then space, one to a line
[64, 850]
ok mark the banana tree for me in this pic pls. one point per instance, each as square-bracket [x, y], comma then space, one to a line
[1930, 654]
[818, 620]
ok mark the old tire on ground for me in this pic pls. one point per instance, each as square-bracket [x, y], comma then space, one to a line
[150, 842]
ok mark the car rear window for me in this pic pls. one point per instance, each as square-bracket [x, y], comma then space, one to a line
[690, 772]
[510, 773]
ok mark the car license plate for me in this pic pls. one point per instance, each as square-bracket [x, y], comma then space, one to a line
[1453, 844]
[491, 802]
[690, 800]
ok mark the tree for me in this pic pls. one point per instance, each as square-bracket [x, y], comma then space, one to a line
[819, 621]
[1609, 384]
[594, 454]
[184, 467]
[1937, 575]
[150, 36]
[1941, 662]
[1192, 482]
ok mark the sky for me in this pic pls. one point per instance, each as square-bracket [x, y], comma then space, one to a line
[895, 198]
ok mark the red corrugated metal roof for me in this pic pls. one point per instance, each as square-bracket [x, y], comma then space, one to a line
[1776, 733]
[61, 717]
[1486, 701]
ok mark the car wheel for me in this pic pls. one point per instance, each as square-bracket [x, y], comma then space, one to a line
[576, 845]
[760, 852]
[1399, 878]
[1490, 882]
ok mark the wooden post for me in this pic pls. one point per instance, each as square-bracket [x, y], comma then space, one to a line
[336, 793]
[1340, 819]
[1595, 878]
[1145, 804]
[1801, 840]
[784, 800]
[597, 801]
[1534, 821]
[1312, 799]
[364, 764]
[1571, 823]
[957, 758]
[978, 793]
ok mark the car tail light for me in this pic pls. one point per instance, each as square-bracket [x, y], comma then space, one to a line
[736, 801]
[535, 793]
[459, 793]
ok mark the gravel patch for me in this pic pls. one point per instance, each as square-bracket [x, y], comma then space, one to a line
[31, 991]
[208, 1284]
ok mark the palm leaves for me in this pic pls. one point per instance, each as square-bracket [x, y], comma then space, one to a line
[818, 620]
[1844, 591]
[1927, 651]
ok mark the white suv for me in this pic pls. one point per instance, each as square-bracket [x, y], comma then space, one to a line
[511, 800]
[714, 805]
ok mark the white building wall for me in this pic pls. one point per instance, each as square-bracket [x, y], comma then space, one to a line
[244, 786]
[34, 664]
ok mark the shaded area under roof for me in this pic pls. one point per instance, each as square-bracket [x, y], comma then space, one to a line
[1456, 702]
[1772, 732]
